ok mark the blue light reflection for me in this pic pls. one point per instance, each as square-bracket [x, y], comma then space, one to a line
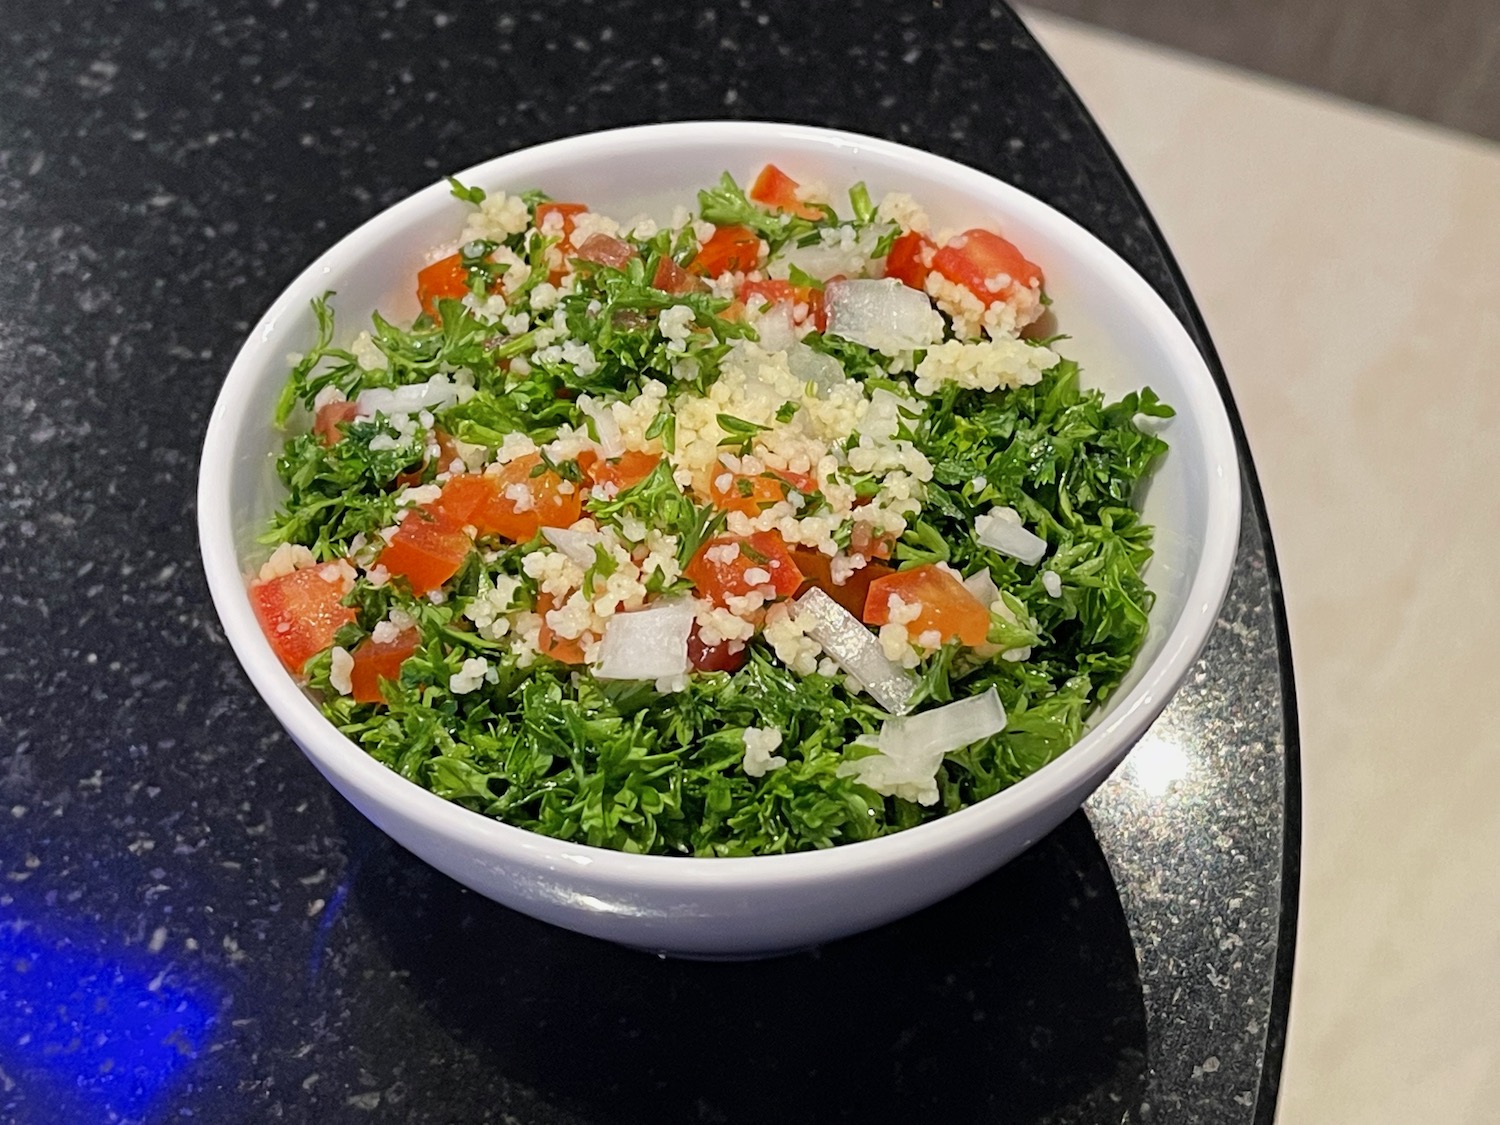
[91, 1035]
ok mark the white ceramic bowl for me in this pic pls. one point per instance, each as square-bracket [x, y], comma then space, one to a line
[1120, 331]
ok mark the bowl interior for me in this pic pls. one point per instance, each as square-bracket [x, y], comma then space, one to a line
[1120, 332]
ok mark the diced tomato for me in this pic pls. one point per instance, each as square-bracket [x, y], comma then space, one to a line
[775, 189]
[549, 643]
[714, 658]
[719, 575]
[551, 501]
[462, 496]
[864, 541]
[753, 494]
[757, 294]
[605, 250]
[447, 279]
[566, 210]
[977, 257]
[948, 609]
[907, 261]
[672, 278]
[816, 568]
[731, 249]
[426, 551]
[379, 660]
[330, 419]
[300, 612]
[622, 471]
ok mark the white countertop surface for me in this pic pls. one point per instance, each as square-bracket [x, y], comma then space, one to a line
[1348, 265]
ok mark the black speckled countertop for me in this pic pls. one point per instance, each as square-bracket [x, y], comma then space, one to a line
[193, 926]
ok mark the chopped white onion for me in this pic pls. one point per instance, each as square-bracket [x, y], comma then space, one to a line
[611, 442]
[439, 391]
[830, 256]
[1000, 529]
[882, 314]
[912, 748]
[856, 650]
[815, 367]
[646, 644]
[577, 545]
[983, 587]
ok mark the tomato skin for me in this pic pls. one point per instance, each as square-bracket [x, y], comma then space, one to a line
[714, 658]
[775, 189]
[908, 257]
[817, 570]
[755, 294]
[447, 278]
[379, 660]
[719, 580]
[330, 419]
[758, 491]
[623, 471]
[300, 613]
[730, 250]
[426, 551]
[672, 278]
[978, 255]
[605, 250]
[550, 505]
[947, 607]
[548, 643]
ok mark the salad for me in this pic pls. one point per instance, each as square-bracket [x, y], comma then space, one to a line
[775, 525]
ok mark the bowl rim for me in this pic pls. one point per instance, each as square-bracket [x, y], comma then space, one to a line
[1102, 745]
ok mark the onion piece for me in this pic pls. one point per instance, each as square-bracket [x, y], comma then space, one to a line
[983, 587]
[577, 545]
[646, 644]
[912, 748]
[883, 314]
[1000, 529]
[855, 649]
[437, 392]
[815, 367]
[829, 256]
[611, 441]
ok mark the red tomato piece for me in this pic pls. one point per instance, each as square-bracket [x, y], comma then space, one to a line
[444, 279]
[379, 660]
[720, 567]
[948, 609]
[426, 551]
[328, 423]
[301, 611]
[816, 568]
[517, 514]
[622, 471]
[775, 189]
[672, 278]
[753, 494]
[977, 259]
[604, 250]
[548, 643]
[714, 658]
[462, 496]
[863, 541]
[758, 294]
[907, 261]
[731, 249]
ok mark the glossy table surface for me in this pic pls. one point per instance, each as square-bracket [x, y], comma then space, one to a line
[193, 926]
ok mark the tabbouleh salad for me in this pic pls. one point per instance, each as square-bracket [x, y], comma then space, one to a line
[771, 527]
